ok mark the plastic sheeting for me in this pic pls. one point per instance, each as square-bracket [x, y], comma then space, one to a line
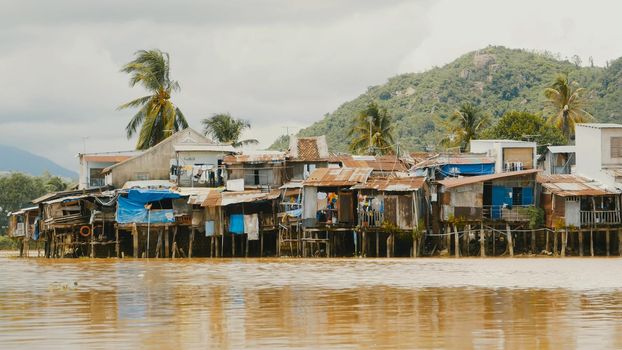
[131, 209]
[236, 224]
[468, 169]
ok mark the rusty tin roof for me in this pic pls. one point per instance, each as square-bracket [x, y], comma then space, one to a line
[467, 180]
[565, 185]
[221, 199]
[326, 177]
[406, 184]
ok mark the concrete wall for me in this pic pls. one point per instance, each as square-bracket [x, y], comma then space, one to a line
[154, 163]
[494, 148]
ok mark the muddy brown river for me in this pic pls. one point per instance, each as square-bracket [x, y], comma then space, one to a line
[503, 303]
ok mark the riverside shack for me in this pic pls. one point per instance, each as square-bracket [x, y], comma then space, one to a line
[390, 206]
[488, 201]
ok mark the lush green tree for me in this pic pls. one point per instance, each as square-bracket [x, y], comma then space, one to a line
[17, 190]
[226, 129]
[465, 124]
[567, 102]
[374, 122]
[525, 126]
[157, 117]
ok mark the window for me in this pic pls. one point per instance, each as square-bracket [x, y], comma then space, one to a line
[616, 147]
[517, 196]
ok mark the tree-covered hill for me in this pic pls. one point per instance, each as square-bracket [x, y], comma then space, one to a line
[498, 79]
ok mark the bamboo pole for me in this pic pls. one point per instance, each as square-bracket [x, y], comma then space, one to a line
[510, 240]
[456, 242]
[580, 232]
[482, 241]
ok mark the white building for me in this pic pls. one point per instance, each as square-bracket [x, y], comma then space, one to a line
[92, 165]
[558, 160]
[599, 152]
[510, 155]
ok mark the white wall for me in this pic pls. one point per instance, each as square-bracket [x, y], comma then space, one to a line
[589, 152]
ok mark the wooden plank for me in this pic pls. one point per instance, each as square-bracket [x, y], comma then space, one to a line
[510, 240]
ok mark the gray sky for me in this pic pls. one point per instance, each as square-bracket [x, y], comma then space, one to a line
[277, 63]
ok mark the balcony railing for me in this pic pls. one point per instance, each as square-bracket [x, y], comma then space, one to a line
[604, 217]
[506, 212]
[370, 218]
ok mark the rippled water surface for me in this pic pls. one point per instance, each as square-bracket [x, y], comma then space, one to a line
[311, 304]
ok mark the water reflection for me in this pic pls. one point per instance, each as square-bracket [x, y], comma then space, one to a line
[310, 304]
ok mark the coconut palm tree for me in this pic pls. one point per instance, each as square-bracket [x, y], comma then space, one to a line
[226, 129]
[465, 124]
[567, 102]
[372, 132]
[157, 117]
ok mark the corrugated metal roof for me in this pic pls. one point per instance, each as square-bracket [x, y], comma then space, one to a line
[23, 211]
[562, 149]
[377, 163]
[461, 181]
[455, 159]
[292, 184]
[54, 195]
[221, 199]
[106, 158]
[149, 184]
[259, 157]
[197, 195]
[204, 147]
[601, 125]
[337, 176]
[565, 185]
[392, 184]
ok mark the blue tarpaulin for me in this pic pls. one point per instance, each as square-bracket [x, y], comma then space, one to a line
[131, 209]
[236, 223]
[468, 169]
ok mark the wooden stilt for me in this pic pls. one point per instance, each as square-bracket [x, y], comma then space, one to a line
[524, 247]
[564, 234]
[482, 241]
[174, 245]
[510, 240]
[261, 244]
[117, 243]
[580, 233]
[159, 244]
[466, 236]
[135, 240]
[378, 245]
[533, 242]
[548, 244]
[456, 242]
[591, 242]
[607, 240]
[388, 242]
[246, 247]
[364, 244]
[494, 242]
[555, 234]
[191, 242]
[233, 245]
[166, 241]
[92, 241]
[620, 241]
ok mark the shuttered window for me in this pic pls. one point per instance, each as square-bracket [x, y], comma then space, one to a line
[616, 147]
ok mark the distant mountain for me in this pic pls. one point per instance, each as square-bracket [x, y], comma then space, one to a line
[15, 159]
[496, 78]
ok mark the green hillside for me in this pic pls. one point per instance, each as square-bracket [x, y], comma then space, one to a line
[498, 79]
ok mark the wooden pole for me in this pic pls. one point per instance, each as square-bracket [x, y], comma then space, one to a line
[494, 241]
[619, 241]
[548, 244]
[580, 242]
[533, 242]
[191, 242]
[482, 240]
[135, 240]
[591, 242]
[117, 249]
[246, 247]
[159, 244]
[378, 245]
[92, 241]
[510, 240]
[456, 242]
[233, 245]
[166, 241]
[607, 240]
[555, 234]
[564, 241]
[261, 244]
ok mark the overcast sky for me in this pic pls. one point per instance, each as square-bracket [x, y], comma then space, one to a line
[277, 63]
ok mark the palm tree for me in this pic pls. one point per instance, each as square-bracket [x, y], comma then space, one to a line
[372, 132]
[226, 129]
[466, 123]
[567, 101]
[157, 118]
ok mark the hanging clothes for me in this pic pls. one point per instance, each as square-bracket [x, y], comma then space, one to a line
[209, 228]
[35, 235]
[236, 224]
[251, 226]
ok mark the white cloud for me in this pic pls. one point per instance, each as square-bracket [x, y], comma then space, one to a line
[274, 63]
